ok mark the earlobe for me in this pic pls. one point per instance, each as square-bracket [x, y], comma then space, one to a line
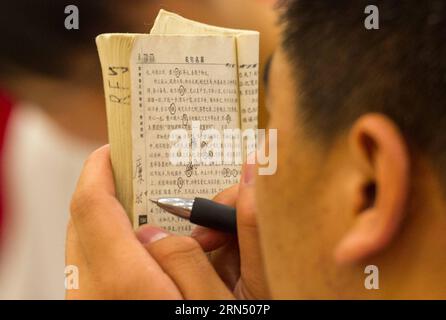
[384, 160]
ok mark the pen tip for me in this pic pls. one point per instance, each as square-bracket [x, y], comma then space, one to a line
[155, 201]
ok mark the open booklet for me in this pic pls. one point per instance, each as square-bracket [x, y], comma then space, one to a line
[183, 77]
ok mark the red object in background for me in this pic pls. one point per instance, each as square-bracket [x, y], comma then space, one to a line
[5, 110]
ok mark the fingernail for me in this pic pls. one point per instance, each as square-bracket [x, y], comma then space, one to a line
[248, 174]
[148, 234]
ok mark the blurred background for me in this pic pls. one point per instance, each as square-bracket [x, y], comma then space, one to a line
[52, 115]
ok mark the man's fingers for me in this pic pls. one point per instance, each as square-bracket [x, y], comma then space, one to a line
[227, 196]
[117, 262]
[78, 282]
[209, 239]
[212, 239]
[99, 163]
[248, 238]
[101, 224]
[226, 261]
[73, 256]
[183, 260]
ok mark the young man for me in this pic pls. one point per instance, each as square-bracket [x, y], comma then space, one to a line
[360, 179]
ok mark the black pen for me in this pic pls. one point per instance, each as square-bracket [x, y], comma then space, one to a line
[200, 211]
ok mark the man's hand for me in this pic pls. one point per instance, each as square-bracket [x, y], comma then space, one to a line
[114, 264]
[237, 259]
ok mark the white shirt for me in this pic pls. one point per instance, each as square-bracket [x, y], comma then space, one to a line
[41, 167]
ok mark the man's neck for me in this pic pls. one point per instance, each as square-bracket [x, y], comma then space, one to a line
[414, 267]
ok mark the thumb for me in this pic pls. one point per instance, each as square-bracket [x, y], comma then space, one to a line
[186, 264]
[147, 234]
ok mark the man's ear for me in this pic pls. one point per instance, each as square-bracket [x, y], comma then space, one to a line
[383, 160]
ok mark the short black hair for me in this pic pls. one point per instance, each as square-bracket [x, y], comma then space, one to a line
[345, 70]
[35, 39]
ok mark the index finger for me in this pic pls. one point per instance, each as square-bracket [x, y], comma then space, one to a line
[212, 239]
